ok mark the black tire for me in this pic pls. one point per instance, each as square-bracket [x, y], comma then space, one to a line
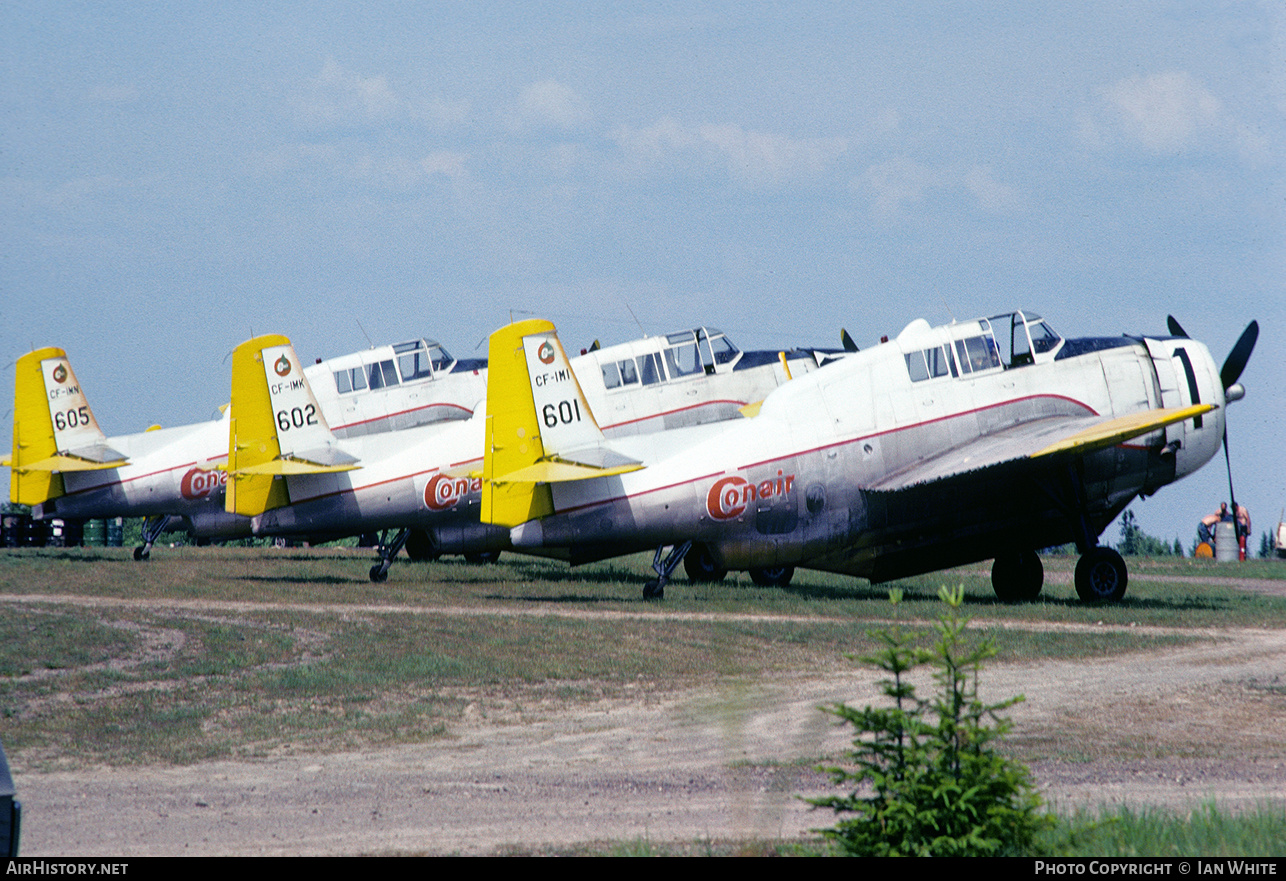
[379, 574]
[654, 590]
[419, 547]
[1101, 576]
[482, 557]
[701, 567]
[772, 576]
[1017, 576]
[141, 554]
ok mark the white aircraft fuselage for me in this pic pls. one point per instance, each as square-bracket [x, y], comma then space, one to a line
[180, 471]
[426, 479]
[904, 458]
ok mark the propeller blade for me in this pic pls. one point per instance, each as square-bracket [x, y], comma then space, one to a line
[847, 341]
[1176, 329]
[1240, 354]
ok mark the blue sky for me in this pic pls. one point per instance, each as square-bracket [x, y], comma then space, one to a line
[175, 178]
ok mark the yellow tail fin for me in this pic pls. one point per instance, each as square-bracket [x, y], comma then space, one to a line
[252, 438]
[513, 434]
[54, 430]
[276, 427]
[540, 429]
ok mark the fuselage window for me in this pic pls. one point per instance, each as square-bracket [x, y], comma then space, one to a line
[358, 375]
[440, 358]
[650, 368]
[415, 365]
[915, 366]
[682, 360]
[611, 376]
[342, 382]
[979, 352]
[629, 375]
[1043, 338]
[1019, 350]
[724, 351]
[381, 374]
[937, 359]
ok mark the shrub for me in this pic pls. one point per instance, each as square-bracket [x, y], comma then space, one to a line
[926, 779]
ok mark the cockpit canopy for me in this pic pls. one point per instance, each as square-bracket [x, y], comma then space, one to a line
[1027, 335]
[413, 361]
[1008, 340]
[696, 352]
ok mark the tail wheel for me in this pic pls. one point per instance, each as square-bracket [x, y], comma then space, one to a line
[1017, 576]
[701, 567]
[1101, 576]
[772, 576]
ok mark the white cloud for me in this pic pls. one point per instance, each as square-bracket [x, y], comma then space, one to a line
[1168, 113]
[338, 96]
[755, 158]
[992, 195]
[901, 182]
[759, 158]
[1163, 111]
[446, 163]
[896, 183]
[550, 103]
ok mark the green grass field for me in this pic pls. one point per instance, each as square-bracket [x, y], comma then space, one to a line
[206, 653]
[211, 652]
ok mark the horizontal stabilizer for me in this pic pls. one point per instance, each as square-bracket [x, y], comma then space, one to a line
[285, 467]
[555, 471]
[329, 456]
[61, 463]
[100, 454]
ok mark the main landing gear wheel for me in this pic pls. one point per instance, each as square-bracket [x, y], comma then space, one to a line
[1101, 576]
[701, 567]
[388, 550]
[772, 576]
[1017, 576]
[664, 568]
[419, 547]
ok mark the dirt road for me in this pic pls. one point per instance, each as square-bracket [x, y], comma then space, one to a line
[1172, 727]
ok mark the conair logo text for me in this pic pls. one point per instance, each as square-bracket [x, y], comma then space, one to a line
[546, 352]
[443, 492]
[730, 496]
[198, 483]
[282, 366]
[60, 374]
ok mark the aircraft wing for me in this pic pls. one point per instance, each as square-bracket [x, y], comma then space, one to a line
[1041, 439]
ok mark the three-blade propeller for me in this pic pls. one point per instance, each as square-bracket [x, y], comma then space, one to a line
[1236, 361]
[1233, 365]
